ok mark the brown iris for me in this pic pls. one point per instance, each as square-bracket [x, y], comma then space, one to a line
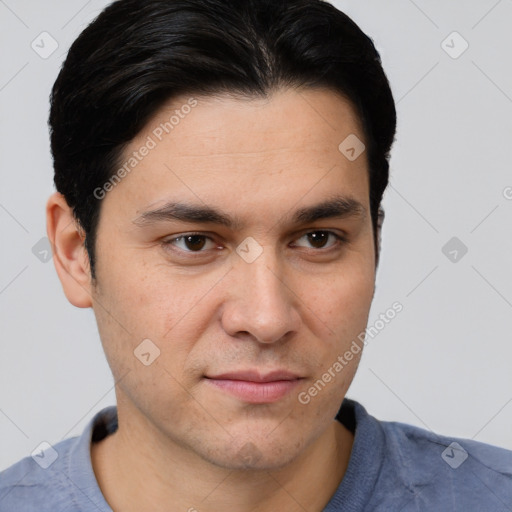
[194, 242]
[318, 238]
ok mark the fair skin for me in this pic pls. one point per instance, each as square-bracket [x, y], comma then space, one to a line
[186, 440]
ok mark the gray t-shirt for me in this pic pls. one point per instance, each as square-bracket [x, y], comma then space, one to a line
[393, 467]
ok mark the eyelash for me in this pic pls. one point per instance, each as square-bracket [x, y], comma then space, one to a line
[340, 240]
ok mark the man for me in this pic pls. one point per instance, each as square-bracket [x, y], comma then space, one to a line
[220, 167]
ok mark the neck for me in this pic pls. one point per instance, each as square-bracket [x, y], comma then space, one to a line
[138, 471]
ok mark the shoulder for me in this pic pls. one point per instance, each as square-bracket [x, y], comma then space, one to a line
[407, 442]
[58, 478]
[396, 466]
[38, 482]
[437, 469]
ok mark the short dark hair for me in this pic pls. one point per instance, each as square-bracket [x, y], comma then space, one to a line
[138, 54]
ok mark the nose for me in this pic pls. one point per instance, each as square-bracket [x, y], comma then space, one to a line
[261, 303]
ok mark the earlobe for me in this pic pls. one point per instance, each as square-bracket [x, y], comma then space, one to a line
[69, 253]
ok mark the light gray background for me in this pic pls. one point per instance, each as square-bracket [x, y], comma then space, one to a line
[444, 362]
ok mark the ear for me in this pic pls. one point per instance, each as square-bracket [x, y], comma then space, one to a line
[69, 254]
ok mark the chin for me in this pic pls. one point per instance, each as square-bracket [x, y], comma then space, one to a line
[255, 455]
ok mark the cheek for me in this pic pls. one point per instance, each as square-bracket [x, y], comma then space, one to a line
[342, 299]
[171, 310]
[134, 310]
[342, 303]
[147, 298]
[353, 297]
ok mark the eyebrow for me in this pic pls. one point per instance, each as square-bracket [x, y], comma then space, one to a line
[339, 207]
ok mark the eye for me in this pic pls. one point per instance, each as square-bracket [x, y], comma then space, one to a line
[318, 239]
[198, 243]
[190, 242]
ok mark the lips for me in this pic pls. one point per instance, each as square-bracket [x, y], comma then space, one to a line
[254, 376]
[251, 386]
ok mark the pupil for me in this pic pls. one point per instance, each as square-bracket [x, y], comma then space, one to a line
[318, 237]
[194, 241]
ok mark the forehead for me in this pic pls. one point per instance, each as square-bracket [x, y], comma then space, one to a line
[242, 124]
[230, 150]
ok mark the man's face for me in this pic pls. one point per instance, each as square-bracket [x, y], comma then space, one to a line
[223, 309]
